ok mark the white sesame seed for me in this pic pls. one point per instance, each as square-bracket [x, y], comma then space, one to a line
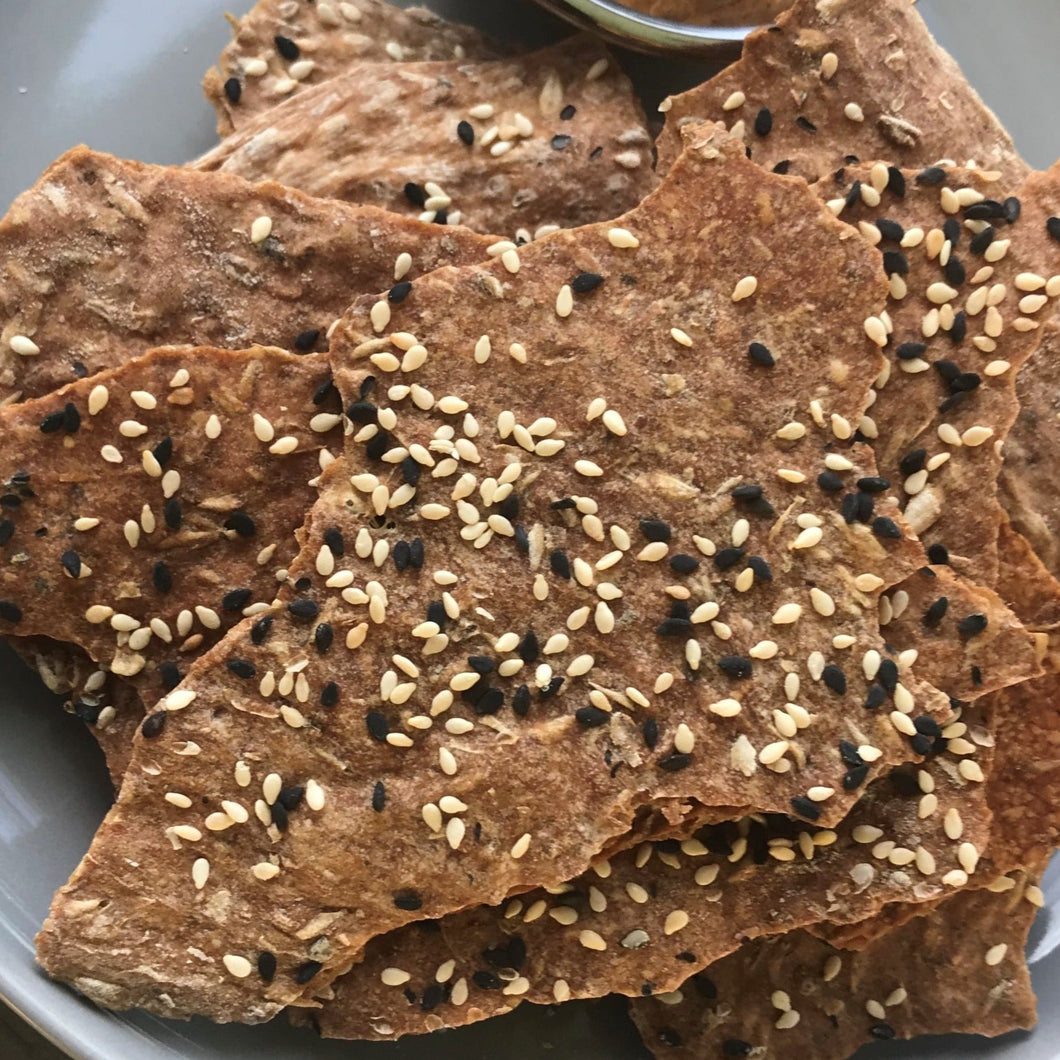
[23, 346]
[591, 940]
[237, 966]
[854, 112]
[684, 739]
[745, 288]
[680, 337]
[787, 614]
[521, 846]
[996, 954]
[260, 229]
[976, 435]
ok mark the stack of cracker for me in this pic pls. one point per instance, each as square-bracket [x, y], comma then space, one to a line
[499, 571]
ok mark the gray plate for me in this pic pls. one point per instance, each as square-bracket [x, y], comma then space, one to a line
[122, 75]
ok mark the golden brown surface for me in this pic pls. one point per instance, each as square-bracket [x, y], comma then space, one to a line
[712, 12]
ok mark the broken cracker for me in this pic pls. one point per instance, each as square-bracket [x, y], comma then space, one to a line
[961, 969]
[555, 137]
[280, 47]
[839, 80]
[105, 259]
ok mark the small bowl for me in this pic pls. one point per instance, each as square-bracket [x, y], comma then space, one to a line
[627, 28]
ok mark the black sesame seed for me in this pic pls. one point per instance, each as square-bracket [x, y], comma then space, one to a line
[896, 181]
[52, 423]
[481, 664]
[585, 282]
[529, 648]
[362, 412]
[436, 613]
[267, 965]
[233, 90]
[560, 564]
[490, 702]
[10, 500]
[738, 666]
[927, 726]
[323, 636]
[747, 493]
[955, 272]
[764, 122]
[241, 523]
[855, 777]
[987, 210]
[377, 445]
[410, 901]
[71, 418]
[682, 563]
[931, 176]
[887, 675]
[287, 48]
[980, 242]
[728, 557]
[378, 726]
[334, 540]
[763, 571]
[564, 504]
[163, 452]
[415, 194]
[848, 752]
[400, 555]
[890, 230]
[441, 217]
[959, 328]
[886, 528]
[873, 484]
[411, 470]
[433, 996]
[782, 167]
[324, 391]
[561, 141]
[379, 796]
[71, 562]
[909, 351]
[236, 599]
[305, 971]
[170, 675]
[304, 341]
[416, 553]
[913, 461]
[936, 612]
[805, 807]
[1011, 208]
[675, 762]
[260, 630]
[895, 263]
[655, 529]
[291, 798]
[466, 132]
[241, 667]
[735, 1047]
[304, 608]
[486, 980]
[829, 481]
[172, 514]
[884, 1031]
[592, 717]
[153, 724]
[877, 696]
[650, 731]
[977, 676]
[329, 695]
[805, 124]
[938, 554]
[7, 531]
[10, 612]
[853, 196]
[761, 354]
[834, 678]
[951, 229]
[568, 112]
[521, 701]
[674, 627]
[972, 625]
[399, 292]
[966, 382]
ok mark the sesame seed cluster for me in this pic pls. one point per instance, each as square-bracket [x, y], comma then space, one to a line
[627, 608]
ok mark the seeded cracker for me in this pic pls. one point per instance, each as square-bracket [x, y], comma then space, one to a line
[972, 279]
[282, 46]
[551, 138]
[124, 529]
[838, 78]
[370, 642]
[961, 969]
[726, 879]
[104, 259]
[708, 12]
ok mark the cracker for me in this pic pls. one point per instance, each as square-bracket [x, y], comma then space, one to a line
[1028, 485]
[605, 760]
[945, 403]
[1029, 588]
[555, 137]
[961, 969]
[706, 12]
[124, 533]
[104, 259]
[745, 899]
[327, 37]
[907, 99]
